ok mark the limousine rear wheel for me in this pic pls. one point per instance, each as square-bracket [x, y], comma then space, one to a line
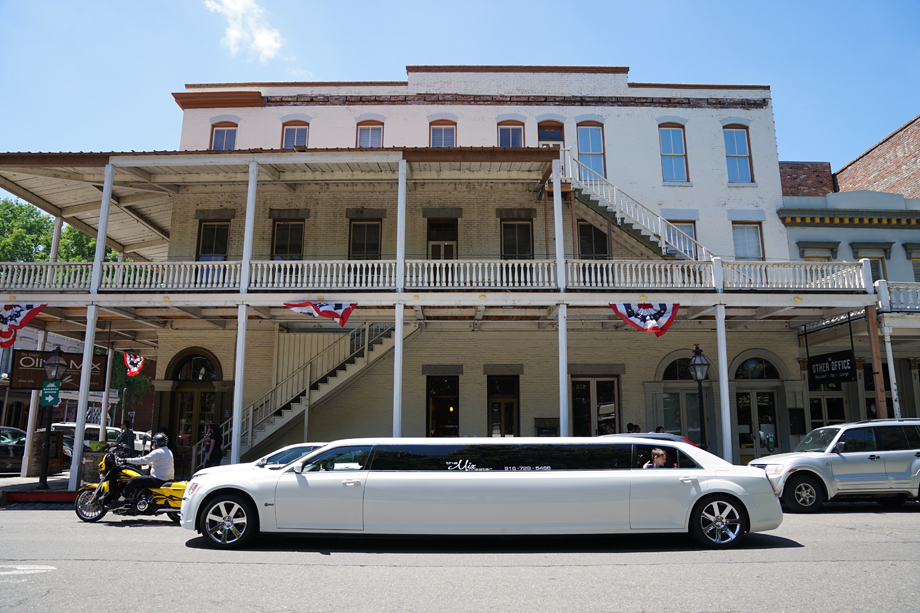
[228, 521]
[718, 522]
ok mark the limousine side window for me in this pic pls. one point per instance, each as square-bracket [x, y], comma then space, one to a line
[501, 457]
[676, 457]
[339, 459]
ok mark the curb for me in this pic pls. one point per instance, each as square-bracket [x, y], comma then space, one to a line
[9, 497]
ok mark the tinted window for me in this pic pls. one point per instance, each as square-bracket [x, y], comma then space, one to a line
[859, 439]
[289, 455]
[891, 438]
[913, 436]
[501, 457]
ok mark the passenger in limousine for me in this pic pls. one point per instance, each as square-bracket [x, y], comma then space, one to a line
[659, 459]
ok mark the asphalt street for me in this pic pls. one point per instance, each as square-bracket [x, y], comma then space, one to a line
[850, 557]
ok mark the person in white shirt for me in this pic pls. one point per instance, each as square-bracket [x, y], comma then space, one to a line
[162, 469]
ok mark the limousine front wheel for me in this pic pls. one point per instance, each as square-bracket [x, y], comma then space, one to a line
[718, 522]
[228, 521]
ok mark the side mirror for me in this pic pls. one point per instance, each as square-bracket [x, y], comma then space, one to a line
[298, 468]
[261, 462]
[840, 447]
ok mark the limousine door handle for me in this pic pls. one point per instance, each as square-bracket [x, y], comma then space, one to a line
[875, 457]
[688, 479]
[351, 482]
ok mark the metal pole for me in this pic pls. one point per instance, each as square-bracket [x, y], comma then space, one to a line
[104, 405]
[724, 400]
[562, 322]
[881, 404]
[89, 339]
[239, 373]
[248, 231]
[401, 228]
[397, 371]
[96, 279]
[557, 226]
[896, 405]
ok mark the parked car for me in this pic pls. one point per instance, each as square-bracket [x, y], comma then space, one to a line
[272, 461]
[12, 447]
[90, 432]
[142, 442]
[487, 486]
[879, 459]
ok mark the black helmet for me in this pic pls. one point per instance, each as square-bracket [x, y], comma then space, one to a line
[160, 440]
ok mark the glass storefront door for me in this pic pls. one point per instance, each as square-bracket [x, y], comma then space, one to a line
[196, 410]
[682, 415]
[594, 406]
[756, 414]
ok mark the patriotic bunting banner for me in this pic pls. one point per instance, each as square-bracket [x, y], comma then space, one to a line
[134, 363]
[336, 311]
[655, 318]
[15, 317]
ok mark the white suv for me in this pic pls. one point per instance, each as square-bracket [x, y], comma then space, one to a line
[879, 459]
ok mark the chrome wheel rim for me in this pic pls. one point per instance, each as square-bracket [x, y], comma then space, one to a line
[805, 494]
[88, 509]
[225, 522]
[721, 522]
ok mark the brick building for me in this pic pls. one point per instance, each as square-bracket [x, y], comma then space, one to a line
[892, 165]
[484, 220]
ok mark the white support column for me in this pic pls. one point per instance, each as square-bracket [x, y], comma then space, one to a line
[562, 321]
[56, 239]
[89, 339]
[239, 372]
[102, 231]
[725, 401]
[104, 405]
[896, 403]
[401, 229]
[397, 371]
[306, 402]
[248, 231]
[557, 226]
[33, 406]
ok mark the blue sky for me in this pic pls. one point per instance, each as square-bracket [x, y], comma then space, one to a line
[96, 75]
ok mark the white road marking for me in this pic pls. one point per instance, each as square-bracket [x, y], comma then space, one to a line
[25, 569]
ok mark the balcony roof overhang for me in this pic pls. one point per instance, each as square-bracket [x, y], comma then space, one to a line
[70, 184]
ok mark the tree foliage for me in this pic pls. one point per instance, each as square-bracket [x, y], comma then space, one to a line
[25, 232]
[76, 246]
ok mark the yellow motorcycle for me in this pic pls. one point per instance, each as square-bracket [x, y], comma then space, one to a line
[113, 475]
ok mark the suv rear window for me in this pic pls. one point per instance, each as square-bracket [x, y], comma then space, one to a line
[891, 438]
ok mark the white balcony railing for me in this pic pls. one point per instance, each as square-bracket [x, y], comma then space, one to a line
[44, 276]
[324, 274]
[904, 296]
[484, 274]
[801, 276]
[642, 274]
[170, 276]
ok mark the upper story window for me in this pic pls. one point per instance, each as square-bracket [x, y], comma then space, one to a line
[370, 134]
[223, 136]
[738, 154]
[443, 134]
[510, 134]
[684, 242]
[365, 240]
[550, 134]
[748, 241]
[673, 153]
[591, 146]
[517, 240]
[287, 240]
[213, 241]
[295, 134]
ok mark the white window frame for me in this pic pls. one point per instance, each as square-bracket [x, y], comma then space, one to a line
[670, 157]
[443, 130]
[369, 131]
[735, 158]
[223, 132]
[295, 141]
[751, 229]
[510, 129]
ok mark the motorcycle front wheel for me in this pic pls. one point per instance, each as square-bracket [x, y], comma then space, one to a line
[88, 510]
[174, 516]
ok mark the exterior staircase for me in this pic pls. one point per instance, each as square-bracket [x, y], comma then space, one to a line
[315, 382]
[650, 229]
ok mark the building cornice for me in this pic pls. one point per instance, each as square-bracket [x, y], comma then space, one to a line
[854, 218]
[218, 100]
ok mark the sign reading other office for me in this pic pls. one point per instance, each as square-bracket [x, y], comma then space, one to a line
[29, 371]
[837, 367]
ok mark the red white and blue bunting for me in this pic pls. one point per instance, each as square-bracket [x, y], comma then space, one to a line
[336, 311]
[134, 364]
[16, 317]
[647, 317]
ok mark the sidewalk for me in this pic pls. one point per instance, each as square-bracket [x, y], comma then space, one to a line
[23, 489]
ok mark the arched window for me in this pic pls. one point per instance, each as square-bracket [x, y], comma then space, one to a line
[679, 370]
[442, 133]
[757, 369]
[370, 134]
[223, 136]
[510, 134]
[196, 368]
[294, 134]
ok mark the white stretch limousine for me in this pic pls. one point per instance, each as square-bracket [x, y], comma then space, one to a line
[487, 486]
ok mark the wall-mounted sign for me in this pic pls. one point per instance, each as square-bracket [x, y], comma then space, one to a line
[838, 367]
[29, 371]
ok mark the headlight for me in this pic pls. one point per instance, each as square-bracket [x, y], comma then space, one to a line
[190, 489]
[774, 469]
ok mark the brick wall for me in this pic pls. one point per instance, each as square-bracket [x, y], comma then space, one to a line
[893, 165]
[806, 178]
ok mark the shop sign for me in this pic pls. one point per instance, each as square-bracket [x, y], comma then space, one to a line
[29, 371]
[837, 367]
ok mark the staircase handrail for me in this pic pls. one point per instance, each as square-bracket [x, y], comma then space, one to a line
[265, 406]
[667, 234]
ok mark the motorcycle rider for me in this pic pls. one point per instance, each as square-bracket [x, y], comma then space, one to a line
[162, 469]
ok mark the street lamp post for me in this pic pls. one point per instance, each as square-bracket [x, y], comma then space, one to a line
[699, 367]
[55, 367]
